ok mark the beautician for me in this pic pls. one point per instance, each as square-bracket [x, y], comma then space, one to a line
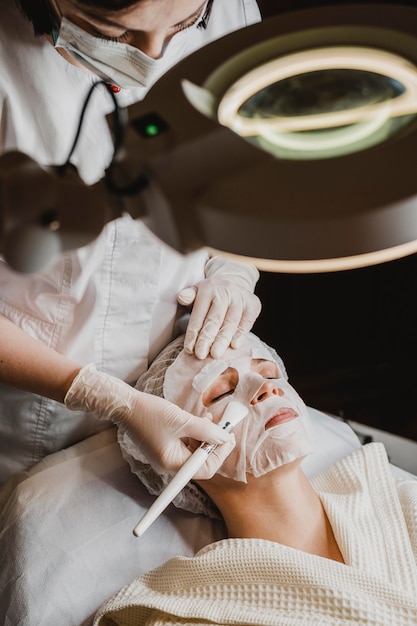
[117, 301]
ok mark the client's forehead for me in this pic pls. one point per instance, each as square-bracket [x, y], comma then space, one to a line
[237, 359]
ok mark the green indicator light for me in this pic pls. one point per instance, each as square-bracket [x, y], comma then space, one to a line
[150, 125]
[151, 130]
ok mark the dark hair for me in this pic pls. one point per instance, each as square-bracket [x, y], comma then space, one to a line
[41, 14]
[44, 19]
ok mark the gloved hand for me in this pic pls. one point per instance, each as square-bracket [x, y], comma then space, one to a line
[224, 307]
[154, 424]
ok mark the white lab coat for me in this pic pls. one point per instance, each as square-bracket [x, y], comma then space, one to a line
[112, 302]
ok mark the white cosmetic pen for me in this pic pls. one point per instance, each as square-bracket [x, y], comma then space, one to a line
[233, 414]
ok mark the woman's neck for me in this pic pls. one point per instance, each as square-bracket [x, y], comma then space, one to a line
[281, 506]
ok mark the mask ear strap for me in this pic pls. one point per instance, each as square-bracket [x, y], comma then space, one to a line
[59, 16]
[206, 16]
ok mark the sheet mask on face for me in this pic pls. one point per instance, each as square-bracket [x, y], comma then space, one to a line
[277, 429]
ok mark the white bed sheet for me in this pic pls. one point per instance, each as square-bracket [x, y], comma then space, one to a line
[66, 541]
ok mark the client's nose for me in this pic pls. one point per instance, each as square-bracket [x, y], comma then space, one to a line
[267, 389]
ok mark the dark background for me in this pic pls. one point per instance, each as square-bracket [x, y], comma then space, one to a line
[349, 339]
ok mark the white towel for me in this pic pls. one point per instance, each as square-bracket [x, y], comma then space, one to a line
[257, 582]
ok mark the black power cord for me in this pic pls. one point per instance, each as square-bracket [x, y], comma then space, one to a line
[119, 128]
[119, 125]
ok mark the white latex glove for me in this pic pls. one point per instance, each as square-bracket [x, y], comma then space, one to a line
[224, 307]
[154, 424]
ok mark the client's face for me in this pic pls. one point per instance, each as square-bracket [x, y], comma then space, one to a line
[277, 429]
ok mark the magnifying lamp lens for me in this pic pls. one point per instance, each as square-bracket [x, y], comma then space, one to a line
[320, 92]
[322, 103]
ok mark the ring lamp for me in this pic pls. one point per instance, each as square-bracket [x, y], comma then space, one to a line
[290, 143]
[323, 102]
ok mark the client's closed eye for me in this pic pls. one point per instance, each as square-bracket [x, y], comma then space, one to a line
[222, 395]
[223, 386]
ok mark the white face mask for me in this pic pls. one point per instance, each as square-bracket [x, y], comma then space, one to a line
[277, 429]
[120, 63]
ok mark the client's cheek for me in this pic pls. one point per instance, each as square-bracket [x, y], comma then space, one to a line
[228, 468]
[215, 411]
[237, 458]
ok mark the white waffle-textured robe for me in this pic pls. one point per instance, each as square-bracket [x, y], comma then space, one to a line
[252, 581]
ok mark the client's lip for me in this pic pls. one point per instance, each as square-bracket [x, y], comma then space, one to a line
[283, 415]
